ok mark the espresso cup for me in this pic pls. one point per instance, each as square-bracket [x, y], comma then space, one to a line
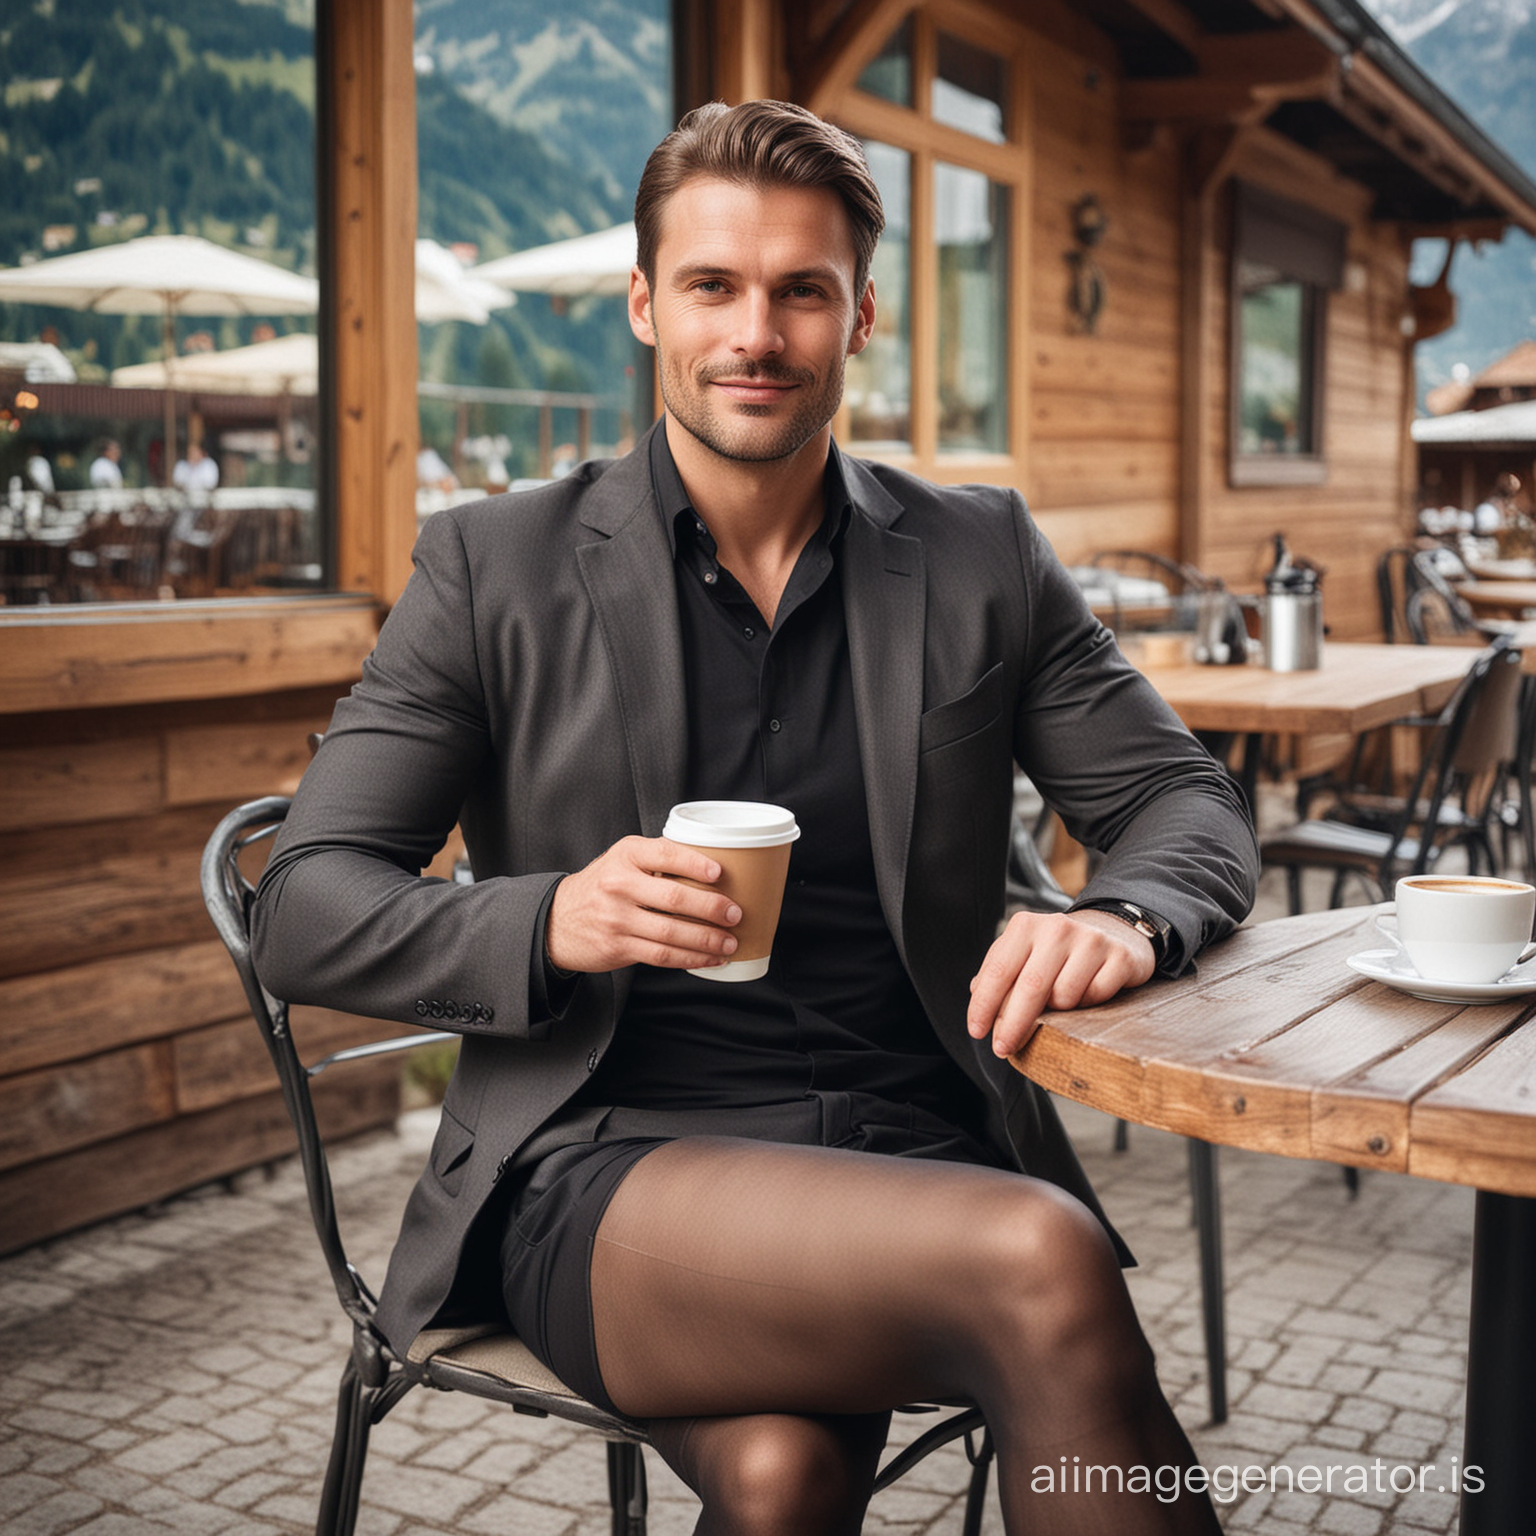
[1463, 928]
[750, 842]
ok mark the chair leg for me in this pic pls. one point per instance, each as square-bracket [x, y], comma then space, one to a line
[1352, 1180]
[349, 1450]
[1122, 1136]
[1336, 895]
[627, 1488]
[976, 1494]
[1207, 1202]
[1293, 888]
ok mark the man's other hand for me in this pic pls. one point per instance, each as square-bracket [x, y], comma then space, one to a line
[622, 909]
[1052, 961]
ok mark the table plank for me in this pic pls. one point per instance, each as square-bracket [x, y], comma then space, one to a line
[1277, 1046]
[1498, 599]
[1479, 1126]
[1357, 688]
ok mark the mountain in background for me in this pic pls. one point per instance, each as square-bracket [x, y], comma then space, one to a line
[1482, 54]
[592, 80]
[116, 121]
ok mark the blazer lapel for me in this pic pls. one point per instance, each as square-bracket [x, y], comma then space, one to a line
[629, 577]
[885, 601]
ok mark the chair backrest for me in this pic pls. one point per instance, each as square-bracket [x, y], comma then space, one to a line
[228, 893]
[1182, 582]
[1394, 584]
[1425, 575]
[1473, 736]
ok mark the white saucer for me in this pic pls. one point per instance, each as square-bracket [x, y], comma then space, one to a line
[1391, 968]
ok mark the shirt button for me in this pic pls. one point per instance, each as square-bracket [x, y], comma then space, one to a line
[775, 726]
[710, 578]
[749, 632]
[698, 523]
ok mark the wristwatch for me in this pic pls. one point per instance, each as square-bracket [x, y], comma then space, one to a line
[1148, 924]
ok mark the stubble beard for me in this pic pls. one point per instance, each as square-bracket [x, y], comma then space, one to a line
[737, 436]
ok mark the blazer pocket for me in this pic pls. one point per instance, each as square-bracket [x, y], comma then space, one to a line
[451, 1149]
[973, 711]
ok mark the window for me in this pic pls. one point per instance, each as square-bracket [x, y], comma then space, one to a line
[935, 110]
[879, 379]
[153, 450]
[971, 230]
[1286, 258]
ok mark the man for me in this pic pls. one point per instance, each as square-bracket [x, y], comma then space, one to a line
[196, 474]
[760, 1215]
[106, 472]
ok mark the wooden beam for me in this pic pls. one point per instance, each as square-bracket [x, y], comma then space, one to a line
[855, 40]
[1174, 20]
[54, 660]
[371, 119]
[744, 50]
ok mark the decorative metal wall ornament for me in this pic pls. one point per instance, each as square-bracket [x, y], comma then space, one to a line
[1087, 294]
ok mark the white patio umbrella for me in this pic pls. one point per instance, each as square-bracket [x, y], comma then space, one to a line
[447, 290]
[166, 275]
[286, 365]
[588, 264]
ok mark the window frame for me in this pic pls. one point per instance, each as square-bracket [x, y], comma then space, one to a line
[1303, 246]
[1009, 164]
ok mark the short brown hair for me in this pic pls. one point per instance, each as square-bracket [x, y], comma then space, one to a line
[761, 144]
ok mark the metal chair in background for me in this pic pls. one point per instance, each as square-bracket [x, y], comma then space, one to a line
[486, 1359]
[1452, 801]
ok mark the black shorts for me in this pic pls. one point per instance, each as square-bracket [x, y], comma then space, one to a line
[546, 1249]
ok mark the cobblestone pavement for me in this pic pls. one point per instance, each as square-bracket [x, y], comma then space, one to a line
[174, 1370]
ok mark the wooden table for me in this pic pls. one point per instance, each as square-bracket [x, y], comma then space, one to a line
[1277, 1046]
[1498, 599]
[1357, 688]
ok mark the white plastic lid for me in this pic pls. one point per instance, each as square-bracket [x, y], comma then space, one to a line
[730, 824]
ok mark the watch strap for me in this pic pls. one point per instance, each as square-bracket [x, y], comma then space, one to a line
[1148, 924]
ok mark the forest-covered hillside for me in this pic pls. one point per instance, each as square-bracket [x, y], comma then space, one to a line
[125, 117]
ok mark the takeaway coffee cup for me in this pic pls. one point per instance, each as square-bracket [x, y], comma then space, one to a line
[1463, 928]
[750, 842]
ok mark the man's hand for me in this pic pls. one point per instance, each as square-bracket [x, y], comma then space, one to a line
[621, 910]
[1050, 960]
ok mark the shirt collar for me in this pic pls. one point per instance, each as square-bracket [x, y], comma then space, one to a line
[677, 511]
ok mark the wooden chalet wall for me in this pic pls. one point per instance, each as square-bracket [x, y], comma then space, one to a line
[1123, 439]
[1366, 503]
[1101, 465]
[129, 1065]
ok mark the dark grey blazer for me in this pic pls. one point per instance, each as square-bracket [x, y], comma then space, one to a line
[529, 684]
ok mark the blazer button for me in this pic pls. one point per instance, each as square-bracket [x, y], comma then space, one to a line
[487, 1012]
[591, 1061]
[421, 1007]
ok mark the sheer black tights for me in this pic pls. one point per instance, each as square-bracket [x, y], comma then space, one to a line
[768, 1305]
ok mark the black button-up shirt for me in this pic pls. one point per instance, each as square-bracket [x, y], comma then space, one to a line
[771, 717]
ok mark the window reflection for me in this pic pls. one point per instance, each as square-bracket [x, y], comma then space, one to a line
[971, 218]
[969, 89]
[1274, 362]
[158, 419]
[879, 379]
[889, 74]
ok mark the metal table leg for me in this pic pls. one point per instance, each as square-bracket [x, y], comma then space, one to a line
[1501, 1372]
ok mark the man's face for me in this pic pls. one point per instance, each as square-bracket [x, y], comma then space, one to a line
[753, 314]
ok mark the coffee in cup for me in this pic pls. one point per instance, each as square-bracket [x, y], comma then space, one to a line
[750, 842]
[1463, 928]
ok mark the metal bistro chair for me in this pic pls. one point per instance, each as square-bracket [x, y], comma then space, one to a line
[1452, 801]
[487, 1360]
